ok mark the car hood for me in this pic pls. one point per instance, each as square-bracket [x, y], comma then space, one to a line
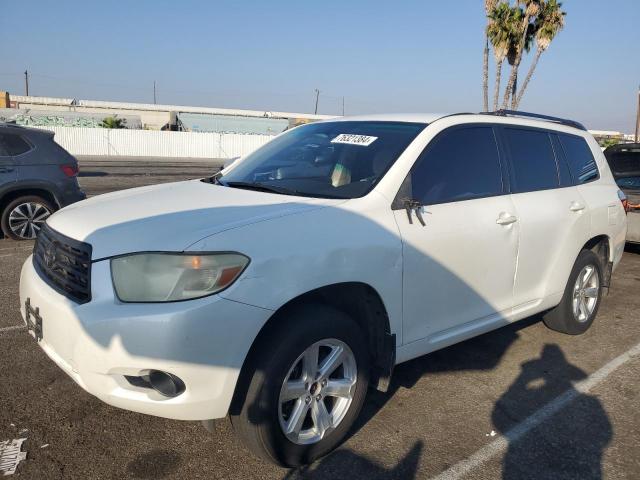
[171, 216]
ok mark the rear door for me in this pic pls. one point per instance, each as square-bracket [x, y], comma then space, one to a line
[8, 171]
[553, 216]
[458, 267]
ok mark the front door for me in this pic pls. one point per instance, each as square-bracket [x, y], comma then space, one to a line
[459, 267]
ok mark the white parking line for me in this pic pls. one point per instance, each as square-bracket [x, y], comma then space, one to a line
[13, 327]
[500, 444]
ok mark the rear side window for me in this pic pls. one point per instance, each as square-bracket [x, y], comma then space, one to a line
[459, 164]
[566, 180]
[533, 164]
[11, 145]
[579, 158]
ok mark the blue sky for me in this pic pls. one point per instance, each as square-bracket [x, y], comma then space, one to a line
[382, 56]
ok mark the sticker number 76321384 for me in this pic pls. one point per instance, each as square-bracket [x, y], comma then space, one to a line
[354, 139]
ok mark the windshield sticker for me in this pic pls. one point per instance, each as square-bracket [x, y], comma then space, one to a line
[353, 139]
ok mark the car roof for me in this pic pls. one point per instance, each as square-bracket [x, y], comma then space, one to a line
[393, 117]
[506, 117]
[23, 130]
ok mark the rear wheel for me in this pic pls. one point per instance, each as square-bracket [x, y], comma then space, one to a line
[581, 300]
[23, 217]
[306, 384]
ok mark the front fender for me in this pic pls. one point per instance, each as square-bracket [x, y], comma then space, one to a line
[293, 255]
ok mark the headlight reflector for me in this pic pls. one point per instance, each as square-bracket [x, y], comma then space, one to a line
[169, 277]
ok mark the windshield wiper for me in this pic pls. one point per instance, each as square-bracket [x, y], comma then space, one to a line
[260, 187]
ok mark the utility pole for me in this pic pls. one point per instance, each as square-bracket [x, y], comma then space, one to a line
[154, 92]
[26, 82]
[343, 106]
[638, 117]
[317, 95]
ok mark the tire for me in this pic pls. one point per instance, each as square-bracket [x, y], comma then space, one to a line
[563, 318]
[258, 415]
[13, 212]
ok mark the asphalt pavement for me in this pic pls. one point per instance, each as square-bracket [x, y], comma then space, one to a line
[520, 402]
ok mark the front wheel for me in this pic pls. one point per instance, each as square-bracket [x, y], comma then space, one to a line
[307, 381]
[579, 305]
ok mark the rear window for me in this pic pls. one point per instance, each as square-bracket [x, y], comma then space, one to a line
[579, 158]
[11, 145]
[533, 164]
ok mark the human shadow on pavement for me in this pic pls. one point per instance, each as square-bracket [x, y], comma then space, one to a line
[344, 464]
[480, 353]
[571, 443]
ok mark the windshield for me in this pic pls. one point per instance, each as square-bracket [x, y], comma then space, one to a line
[342, 159]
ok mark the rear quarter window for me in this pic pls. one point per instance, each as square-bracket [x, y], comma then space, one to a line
[12, 145]
[579, 158]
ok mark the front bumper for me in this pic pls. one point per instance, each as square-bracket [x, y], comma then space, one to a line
[203, 341]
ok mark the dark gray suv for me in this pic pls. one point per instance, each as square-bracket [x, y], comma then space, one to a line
[37, 177]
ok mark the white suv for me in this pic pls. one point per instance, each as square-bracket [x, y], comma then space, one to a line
[277, 291]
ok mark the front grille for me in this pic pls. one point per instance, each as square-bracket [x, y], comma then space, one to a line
[64, 263]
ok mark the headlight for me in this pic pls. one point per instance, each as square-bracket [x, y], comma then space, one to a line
[168, 277]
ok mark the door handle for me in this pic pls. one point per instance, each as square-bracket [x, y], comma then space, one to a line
[576, 206]
[506, 219]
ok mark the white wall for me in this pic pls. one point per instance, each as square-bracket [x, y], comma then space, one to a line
[151, 143]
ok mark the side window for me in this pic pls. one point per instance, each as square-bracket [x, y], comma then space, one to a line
[11, 145]
[579, 158]
[563, 169]
[533, 164]
[459, 164]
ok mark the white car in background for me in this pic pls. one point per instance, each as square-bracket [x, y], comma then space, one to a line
[278, 291]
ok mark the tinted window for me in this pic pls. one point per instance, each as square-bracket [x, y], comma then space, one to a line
[326, 159]
[629, 182]
[563, 168]
[12, 145]
[458, 165]
[624, 160]
[533, 165]
[579, 158]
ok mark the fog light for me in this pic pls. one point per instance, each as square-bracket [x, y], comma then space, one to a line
[165, 383]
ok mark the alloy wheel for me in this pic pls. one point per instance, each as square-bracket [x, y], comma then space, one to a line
[585, 293]
[317, 391]
[26, 219]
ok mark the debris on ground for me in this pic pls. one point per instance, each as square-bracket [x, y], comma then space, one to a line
[11, 455]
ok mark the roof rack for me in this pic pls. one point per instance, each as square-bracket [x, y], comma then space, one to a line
[548, 118]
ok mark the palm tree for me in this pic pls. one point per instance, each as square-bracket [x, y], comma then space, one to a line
[549, 22]
[113, 122]
[489, 6]
[531, 9]
[503, 33]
